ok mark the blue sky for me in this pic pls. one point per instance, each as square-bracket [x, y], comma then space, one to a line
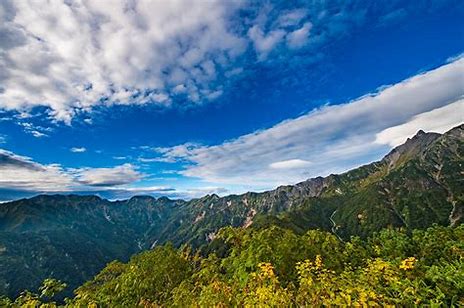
[189, 98]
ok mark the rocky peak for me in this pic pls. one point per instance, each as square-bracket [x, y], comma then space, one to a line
[313, 187]
[411, 148]
[457, 132]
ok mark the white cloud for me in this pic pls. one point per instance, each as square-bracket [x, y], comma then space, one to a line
[119, 175]
[150, 189]
[37, 134]
[119, 157]
[177, 152]
[290, 164]
[333, 138]
[264, 43]
[198, 192]
[78, 149]
[68, 55]
[438, 120]
[34, 130]
[292, 18]
[71, 56]
[299, 37]
[156, 160]
[167, 191]
[22, 173]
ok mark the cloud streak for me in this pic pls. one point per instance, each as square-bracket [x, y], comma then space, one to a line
[438, 120]
[290, 164]
[20, 176]
[78, 149]
[119, 175]
[22, 173]
[330, 139]
[333, 138]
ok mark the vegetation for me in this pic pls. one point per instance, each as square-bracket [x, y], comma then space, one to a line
[72, 238]
[276, 267]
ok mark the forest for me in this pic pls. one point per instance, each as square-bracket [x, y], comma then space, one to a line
[273, 266]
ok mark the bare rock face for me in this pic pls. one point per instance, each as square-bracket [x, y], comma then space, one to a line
[457, 215]
[313, 187]
[411, 148]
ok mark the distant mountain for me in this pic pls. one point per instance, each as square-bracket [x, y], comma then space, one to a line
[72, 237]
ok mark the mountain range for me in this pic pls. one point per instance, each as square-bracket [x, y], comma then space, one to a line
[71, 237]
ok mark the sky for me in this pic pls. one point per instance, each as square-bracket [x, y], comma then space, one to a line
[188, 98]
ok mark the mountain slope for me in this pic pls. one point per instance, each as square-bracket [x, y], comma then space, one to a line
[72, 237]
[417, 184]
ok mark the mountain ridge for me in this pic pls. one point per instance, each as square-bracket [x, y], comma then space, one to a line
[415, 185]
[400, 150]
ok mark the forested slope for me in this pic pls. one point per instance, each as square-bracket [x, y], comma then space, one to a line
[71, 238]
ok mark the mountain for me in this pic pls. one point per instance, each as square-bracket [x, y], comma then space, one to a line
[416, 185]
[71, 237]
